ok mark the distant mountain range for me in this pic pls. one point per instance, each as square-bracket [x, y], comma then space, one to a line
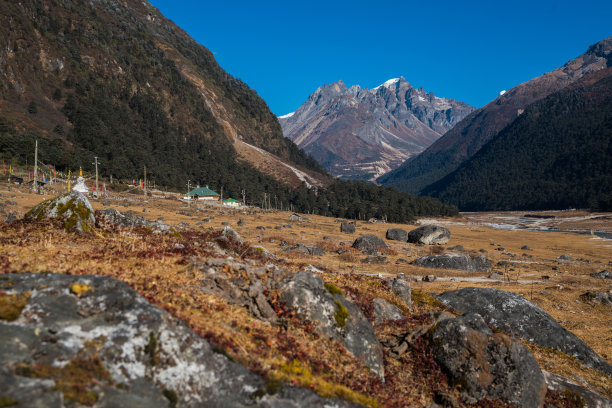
[466, 139]
[360, 133]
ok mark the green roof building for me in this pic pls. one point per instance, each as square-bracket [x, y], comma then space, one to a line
[202, 193]
[230, 202]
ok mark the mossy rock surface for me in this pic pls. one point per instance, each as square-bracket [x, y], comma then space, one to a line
[72, 209]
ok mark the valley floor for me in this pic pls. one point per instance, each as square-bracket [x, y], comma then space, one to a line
[161, 268]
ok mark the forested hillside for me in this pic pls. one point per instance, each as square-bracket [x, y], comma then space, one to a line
[119, 81]
[556, 155]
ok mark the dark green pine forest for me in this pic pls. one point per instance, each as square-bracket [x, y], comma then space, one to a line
[556, 155]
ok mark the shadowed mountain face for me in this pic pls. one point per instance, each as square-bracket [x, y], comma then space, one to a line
[474, 131]
[358, 133]
[556, 155]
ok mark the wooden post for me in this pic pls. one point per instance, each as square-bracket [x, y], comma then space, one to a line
[145, 184]
[35, 184]
[96, 162]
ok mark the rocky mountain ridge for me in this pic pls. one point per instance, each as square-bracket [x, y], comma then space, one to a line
[474, 131]
[360, 133]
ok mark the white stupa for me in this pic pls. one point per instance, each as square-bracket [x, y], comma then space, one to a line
[80, 184]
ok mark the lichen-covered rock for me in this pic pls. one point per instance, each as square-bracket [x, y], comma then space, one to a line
[112, 348]
[124, 220]
[397, 234]
[385, 311]
[400, 288]
[347, 227]
[455, 261]
[486, 364]
[305, 294]
[369, 241]
[72, 209]
[516, 316]
[429, 235]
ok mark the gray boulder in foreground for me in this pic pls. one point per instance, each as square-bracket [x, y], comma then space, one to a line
[559, 383]
[130, 352]
[516, 316]
[455, 261]
[72, 209]
[429, 235]
[486, 364]
[305, 294]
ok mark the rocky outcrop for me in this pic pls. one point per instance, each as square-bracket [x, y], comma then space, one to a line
[369, 242]
[126, 220]
[91, 339]
[397, 234]
[455, 261]
[305, 294]
[429, 235]
[516, 316]
[486, 364]
[72, 209]
[385, 311]
[401, 289]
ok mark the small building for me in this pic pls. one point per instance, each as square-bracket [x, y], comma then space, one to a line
[202, 193]
[230, 202]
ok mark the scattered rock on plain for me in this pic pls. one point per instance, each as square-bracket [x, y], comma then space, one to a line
[429, 235]
[455, 261]
[369, 241]
[397, 234]
[605, 274]
[347, 227]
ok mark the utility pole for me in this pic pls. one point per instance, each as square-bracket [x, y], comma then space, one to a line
[188, 190]
[145, 183]
[221, 194]
[35, 184]
[96, 163]
[243, 197]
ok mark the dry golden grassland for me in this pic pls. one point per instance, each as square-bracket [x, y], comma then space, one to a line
[167, 275]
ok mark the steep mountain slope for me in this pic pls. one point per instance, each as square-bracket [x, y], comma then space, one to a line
[556, 155]
[473, 132]
[358, 133]
[118, 80]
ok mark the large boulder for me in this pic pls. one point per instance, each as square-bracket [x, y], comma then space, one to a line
[72, 209]
[305, 294]
[486, 364]
[590, 398]
[369, 241]
[455, 261]
[401, 289]
[515, 315]
[91, 339]
[429, 235]
[397, 234]
[126, 220]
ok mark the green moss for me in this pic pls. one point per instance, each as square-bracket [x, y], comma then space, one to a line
[7, 402]
[333, 289]
[422, 298]
[12, 305]
[272, 387]
[171, 396]
[151, 349]
[574, 398]
[342, 314]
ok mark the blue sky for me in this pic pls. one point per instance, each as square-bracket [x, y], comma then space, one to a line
[466, 50]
